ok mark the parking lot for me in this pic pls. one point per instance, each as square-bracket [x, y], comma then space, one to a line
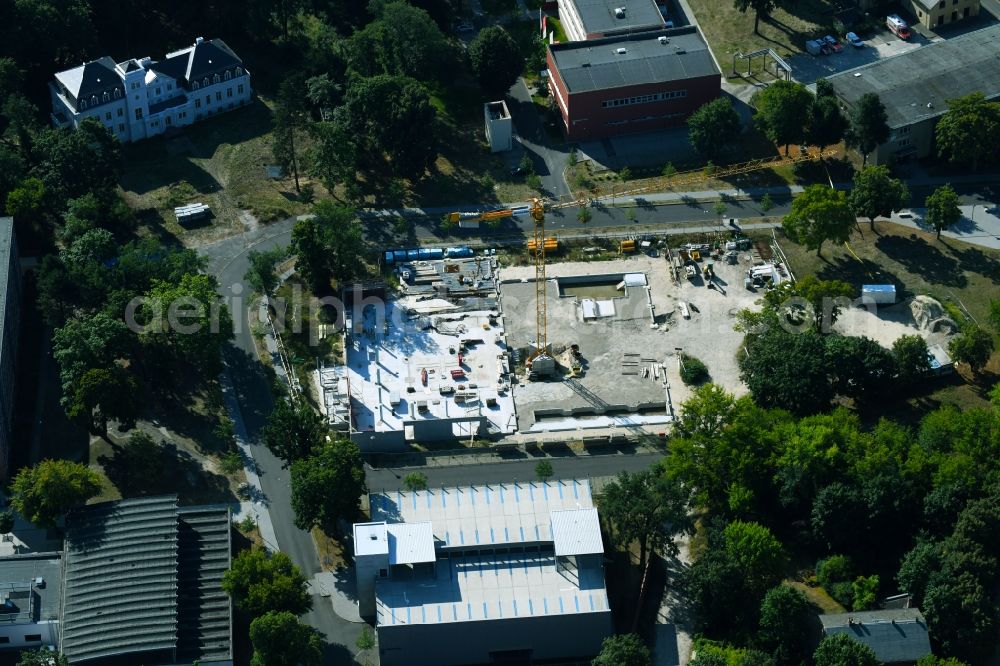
[807, 68]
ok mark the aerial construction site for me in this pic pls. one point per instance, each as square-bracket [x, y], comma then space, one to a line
[467, 349]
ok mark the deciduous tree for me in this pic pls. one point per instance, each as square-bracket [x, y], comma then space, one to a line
[42, 657]
[756, 551]
[788, 370]
[942, 209]
[827, 125]
[103, 394]
[825, 299]
[842, 650]
[291, 121]
[912, 358]
[43, 493]
[877, 194]
[280, 639]
[402, 41]
[973, 346]
[259, 582]
[969, 132]
[647, 507]
[326, 487]
[713, 127]
[818, 215]
[496, 60]
[261, 275]
[343, 238]
[759, 7]
[293, 431]
[869, 125]
[623, 650]
[788, 622]
[783, 111]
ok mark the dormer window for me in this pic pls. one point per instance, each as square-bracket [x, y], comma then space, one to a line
[216, 79]
[106, 97]
[93, 100]
[204, 81]
[229, 75]
[118, 93]
[195, 85]
[239, 71]
[83, 104]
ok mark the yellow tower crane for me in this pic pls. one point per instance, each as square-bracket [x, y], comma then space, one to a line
[539, 362]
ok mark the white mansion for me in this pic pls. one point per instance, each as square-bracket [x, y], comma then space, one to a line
[137, 99]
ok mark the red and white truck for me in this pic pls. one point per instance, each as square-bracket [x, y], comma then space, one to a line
[897, 26]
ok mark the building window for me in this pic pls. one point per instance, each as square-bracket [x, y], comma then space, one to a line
[107, 116]
[83, 104]
[195, 85]
[941, 6]
[229, 75]
[121, 128]
[135, 85]
[4, 640]
[32, 638]
[93, 100]
[167, 121]
[204, 81]
[197, 104]
[239, 89]
[383, 573]
[118, 93]
[157, 90]
[170, 86]
[106, 97]
[216, 78]
[208, 100]
[218, 96]
[121, 112]
[138, 114]
[239, 71]
[229, 92]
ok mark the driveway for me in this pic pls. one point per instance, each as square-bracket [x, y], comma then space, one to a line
[227, 260]
[549, 162]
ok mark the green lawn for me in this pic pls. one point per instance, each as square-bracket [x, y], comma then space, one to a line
[220, 162]
[728, 31]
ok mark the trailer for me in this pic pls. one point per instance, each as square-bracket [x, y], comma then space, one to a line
[191, 213]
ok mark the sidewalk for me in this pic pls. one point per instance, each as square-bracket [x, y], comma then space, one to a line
[256, 506]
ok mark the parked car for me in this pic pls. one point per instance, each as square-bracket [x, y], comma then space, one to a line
[854, 40]
[832, 42]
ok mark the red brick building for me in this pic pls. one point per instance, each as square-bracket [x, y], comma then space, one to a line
[634, 83]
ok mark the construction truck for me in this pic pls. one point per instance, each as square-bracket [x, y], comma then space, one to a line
[472, 220]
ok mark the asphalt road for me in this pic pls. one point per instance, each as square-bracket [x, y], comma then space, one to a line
[563, 467]
[549, 162]
[228, 262]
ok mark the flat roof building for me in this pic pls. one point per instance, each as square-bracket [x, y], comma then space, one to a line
[142, 583]
[915, 88]
[10, 322]
[897, 636]
[633, 83]
[29, 600]
[480, 574]
[593, 19]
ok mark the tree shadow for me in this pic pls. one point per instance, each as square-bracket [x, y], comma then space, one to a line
[921, 258]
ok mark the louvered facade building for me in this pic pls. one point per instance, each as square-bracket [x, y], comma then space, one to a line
[142, 584]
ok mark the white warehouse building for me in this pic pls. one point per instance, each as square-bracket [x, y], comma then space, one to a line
[499, 573]
[138, 99]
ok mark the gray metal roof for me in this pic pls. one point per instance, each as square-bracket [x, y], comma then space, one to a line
[491, 587]
[597, 65]
[410, 543]
[577, 532]
[33, 602]
[204, 610]
[90, 78]
[492, 514]
[895, 635]
[917, 85]
[120, 580]
[198, 60]
[598, 16]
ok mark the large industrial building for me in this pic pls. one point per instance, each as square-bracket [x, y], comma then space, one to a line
[915, 88]
[503, 573]
[10, 321]
[633, 83]
[142, 584]
[140, 98]
[29, 589]
[593, 19]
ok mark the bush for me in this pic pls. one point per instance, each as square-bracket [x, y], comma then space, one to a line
[231, 462]
[693, 371]
[834, 569]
